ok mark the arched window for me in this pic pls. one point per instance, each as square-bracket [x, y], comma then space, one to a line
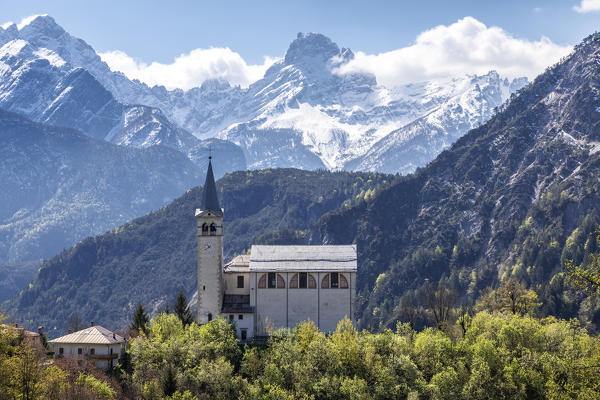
[343, 282]
[325, 282]
[205, 228]
[334, 280]
[303, 280]
[262, 282]
[280, 282]
[294, 282]
[213, 229]
[209, 317]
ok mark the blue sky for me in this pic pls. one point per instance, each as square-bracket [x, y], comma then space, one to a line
[159, 31]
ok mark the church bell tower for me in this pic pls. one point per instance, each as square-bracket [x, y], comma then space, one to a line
[210, 251]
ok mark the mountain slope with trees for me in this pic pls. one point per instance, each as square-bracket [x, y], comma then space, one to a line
[151, 258]
[515, 197]
[58, 185]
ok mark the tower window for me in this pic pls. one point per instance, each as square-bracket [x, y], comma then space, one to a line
[205, 228]
[334, 280]
[209, 317]
[240, 281]
[213, 229]
[272, 280]
[303, 280]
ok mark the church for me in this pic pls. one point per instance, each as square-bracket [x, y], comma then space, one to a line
[273, 287]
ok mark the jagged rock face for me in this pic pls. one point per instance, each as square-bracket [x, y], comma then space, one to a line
[58, 186]
[509, 192]
[317, 117]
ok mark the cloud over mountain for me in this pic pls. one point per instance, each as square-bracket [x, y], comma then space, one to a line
[466, 46]
[191, 69]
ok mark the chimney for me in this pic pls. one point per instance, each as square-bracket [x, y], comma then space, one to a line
[91, 323]
[114, 337]
[40, 330]
[16, 325]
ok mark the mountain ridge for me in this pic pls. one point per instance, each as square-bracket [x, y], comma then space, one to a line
[318, 117]
[514, 197]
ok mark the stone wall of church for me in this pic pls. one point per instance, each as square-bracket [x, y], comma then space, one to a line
[231, 283]
[286, 307]
[303, 304]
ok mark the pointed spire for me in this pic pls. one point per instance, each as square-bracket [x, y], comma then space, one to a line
[210, 200]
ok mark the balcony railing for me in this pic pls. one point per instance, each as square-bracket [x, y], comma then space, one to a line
[102, 356]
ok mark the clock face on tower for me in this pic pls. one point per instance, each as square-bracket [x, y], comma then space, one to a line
[206, 246]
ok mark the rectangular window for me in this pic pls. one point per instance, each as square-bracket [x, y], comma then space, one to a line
[92, 351]
[334, 280]
[61, 350]
[241, 316]
[272, 281]
[80, 351]
[244, 333]
[303, 280]
[230, 317]
[240, 282]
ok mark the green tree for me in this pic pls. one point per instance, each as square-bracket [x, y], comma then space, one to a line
[586, 277]
[440, 301]
[512, 296]
[182, 310]
[140, 320]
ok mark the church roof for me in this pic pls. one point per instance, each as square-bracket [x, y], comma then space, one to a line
[238, 264]
[92, 335]
[305, 258]
[210, 200]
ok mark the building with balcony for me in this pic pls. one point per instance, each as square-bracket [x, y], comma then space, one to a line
[94, 344]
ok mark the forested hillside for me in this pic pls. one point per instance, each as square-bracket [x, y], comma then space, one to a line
[513, 198]
[153, 257]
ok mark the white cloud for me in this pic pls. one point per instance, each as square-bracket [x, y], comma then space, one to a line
[465, 47]
[587, 6]
[191, 69]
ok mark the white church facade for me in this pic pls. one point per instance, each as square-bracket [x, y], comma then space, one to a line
[273, 287]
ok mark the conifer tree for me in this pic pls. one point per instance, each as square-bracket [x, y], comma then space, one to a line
[170, 382]
[182, 310]
[140, 319]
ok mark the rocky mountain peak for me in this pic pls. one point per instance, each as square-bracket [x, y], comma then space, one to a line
[215, 85]
[41, 26]
[8, 32]
[311, 48]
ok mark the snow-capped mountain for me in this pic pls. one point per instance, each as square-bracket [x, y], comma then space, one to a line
[303, 113]
[38, 83]
[471, 102]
